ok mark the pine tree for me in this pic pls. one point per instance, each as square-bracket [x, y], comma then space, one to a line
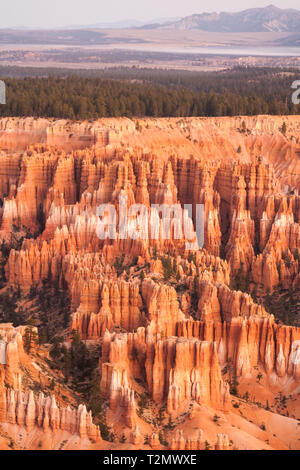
[283, 128]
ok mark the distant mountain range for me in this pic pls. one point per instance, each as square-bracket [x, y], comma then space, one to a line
[123, 24]
[283, 26]
[253, 20]
[256, 20]
[131, 23]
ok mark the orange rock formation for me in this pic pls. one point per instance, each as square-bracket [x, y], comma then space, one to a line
[175, 331]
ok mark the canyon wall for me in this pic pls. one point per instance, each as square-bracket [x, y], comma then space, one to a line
[26, 409]
[176, 320]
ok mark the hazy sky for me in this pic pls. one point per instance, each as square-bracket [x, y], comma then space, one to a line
[51, 13]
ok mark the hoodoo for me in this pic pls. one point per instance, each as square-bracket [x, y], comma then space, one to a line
[140, 341]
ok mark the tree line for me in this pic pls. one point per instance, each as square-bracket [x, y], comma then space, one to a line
[151, 93]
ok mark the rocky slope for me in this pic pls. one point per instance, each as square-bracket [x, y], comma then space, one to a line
[187, 338]
[268, 19]
[29, 419]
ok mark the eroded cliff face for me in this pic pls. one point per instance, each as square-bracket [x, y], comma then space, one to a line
[43, 420]
[248, 342]
[178, 328]
[176, 369]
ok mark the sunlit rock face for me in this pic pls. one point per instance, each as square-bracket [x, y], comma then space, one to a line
[176, 334]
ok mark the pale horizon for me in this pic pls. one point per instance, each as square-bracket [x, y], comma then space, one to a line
[58, 14]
